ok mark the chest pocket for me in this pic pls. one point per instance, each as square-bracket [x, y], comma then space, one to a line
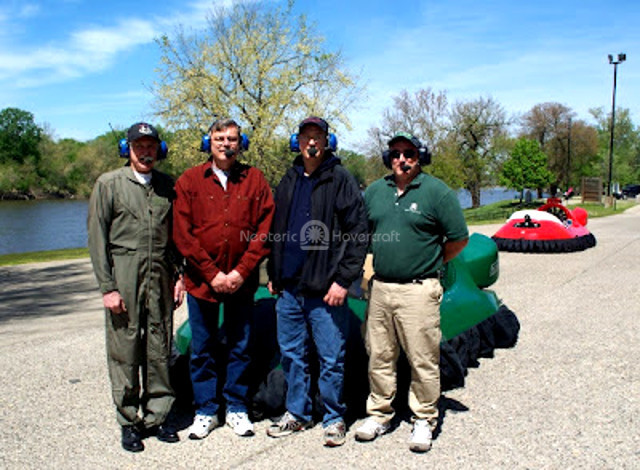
[245, 210]
[160, 208]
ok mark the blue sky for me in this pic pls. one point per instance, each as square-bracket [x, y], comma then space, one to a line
[79, 65]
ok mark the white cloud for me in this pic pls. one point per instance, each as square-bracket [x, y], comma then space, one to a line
[89, 50]
[86, 51]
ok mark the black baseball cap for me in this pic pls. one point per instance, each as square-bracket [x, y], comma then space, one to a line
[142, 129]
[316, 121]
[406, 136]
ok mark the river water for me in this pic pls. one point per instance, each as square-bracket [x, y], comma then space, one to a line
[50, 225]
[42, 225]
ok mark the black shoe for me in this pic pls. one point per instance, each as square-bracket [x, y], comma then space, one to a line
[164, 432]
[131, 439]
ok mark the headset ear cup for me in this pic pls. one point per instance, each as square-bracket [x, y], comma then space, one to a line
[205, 144]
[244, 142]
[123, 148]
[386, 159]
[424, 155]
[163, 150]
[294, 144]
[333, 142]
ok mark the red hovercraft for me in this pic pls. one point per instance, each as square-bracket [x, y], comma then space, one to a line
[552, 228]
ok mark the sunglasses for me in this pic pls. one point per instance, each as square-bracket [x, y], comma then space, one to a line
[409, 154]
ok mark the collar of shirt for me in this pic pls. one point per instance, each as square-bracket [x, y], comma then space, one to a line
[223, 175]
[415, 182]
[143, 178]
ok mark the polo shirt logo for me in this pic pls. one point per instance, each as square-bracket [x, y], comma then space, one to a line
[413, 207]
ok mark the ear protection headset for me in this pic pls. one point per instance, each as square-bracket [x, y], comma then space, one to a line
[205, 143]
[424, 156]
[294, 144]
[123, 149]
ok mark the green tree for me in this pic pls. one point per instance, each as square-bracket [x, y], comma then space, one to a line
[258, 64]
[356, 163]
[479, 138]
[59, 176]
[555, 121]
[526, 167]
[626, 146]
[582, 154]
[19, 136]
[94, 158]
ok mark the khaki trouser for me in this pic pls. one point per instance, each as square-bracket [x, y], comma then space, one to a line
[407, 316]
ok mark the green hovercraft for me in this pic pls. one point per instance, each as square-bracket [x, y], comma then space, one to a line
[474, 322]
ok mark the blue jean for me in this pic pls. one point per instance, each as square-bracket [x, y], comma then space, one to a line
[208, 353]
[297, 315]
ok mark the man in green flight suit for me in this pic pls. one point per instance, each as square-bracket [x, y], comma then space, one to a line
[129, 225]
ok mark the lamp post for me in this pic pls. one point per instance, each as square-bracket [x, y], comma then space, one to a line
[621, 58]
[568, 182]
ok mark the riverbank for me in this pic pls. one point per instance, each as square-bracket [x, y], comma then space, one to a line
[36, 195]
[565, 396]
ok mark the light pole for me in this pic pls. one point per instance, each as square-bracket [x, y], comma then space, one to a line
[568, 182]
[621, 58]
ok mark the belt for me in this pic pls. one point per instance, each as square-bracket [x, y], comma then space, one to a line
[417, 280]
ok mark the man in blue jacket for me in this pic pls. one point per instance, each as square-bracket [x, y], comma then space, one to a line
[319, 242]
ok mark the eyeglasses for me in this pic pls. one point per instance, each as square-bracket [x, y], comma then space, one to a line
[409, 154]
[306, 137]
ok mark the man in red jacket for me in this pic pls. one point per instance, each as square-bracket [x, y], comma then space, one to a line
[222, 216]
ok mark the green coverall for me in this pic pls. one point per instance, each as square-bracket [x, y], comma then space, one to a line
[129, 226]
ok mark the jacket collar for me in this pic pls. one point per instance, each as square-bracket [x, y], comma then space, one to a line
[328, 163]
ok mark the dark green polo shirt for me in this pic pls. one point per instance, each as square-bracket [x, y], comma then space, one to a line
[408, 231]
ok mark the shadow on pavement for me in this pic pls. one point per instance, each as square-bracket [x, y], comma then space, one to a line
[33, 291]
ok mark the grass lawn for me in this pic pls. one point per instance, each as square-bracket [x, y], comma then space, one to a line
[40, 256]
[499, 212]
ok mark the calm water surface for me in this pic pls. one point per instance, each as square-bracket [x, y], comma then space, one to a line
[51, 225]
[42, 225]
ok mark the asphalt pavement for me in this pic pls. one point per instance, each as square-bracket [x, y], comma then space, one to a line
[566, 396]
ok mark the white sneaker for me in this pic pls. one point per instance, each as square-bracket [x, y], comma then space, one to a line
[240, 423]
[371, 429]
[202, 426]
[420, 436]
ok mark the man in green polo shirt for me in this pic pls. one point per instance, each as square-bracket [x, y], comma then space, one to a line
[417, 226]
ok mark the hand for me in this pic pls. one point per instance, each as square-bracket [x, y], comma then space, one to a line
[178, 292]
[234, 281]
[336, 295]
[271, 289]
[219, 283]
[114, 302]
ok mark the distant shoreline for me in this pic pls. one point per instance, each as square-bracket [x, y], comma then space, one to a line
[33, 196]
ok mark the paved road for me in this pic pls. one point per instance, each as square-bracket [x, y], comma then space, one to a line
[565, 396]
